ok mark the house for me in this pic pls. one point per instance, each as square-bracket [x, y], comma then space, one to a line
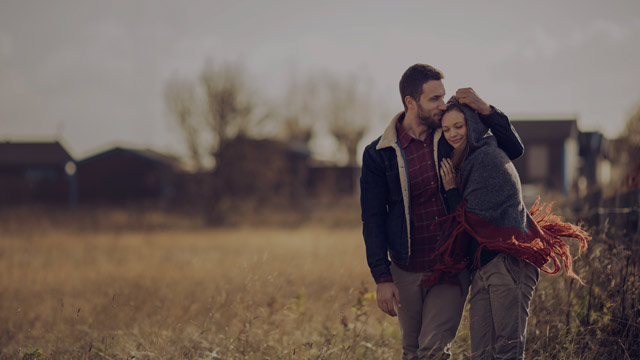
[551, 156]
[330, 181]
[595, 167]
[264, 170]
[36, 172]
[125, 175]
[270, 172]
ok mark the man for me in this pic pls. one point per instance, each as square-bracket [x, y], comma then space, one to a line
[402, 198]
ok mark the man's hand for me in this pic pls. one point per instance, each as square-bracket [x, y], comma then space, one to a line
[469, 97]
[387, 293]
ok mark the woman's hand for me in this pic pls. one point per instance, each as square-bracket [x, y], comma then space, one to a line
[448, 174]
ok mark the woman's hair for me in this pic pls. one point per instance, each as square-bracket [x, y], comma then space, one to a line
[459, 155]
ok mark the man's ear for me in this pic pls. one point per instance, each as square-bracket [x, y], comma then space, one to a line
[410, 102]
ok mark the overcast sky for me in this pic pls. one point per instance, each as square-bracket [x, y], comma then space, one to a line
[92, 73]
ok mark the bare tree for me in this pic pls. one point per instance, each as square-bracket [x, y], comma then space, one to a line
[180, 98]
[227, 104]
[301, 109]
[348, 113]
[221, 120]
[210, 119]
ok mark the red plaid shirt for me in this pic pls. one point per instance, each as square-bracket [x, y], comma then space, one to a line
[426, 202]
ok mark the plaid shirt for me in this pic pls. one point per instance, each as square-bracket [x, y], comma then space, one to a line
[426, 203]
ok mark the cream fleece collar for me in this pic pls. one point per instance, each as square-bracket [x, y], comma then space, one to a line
[390, 135]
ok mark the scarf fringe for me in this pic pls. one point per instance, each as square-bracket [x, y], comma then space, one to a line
[556, 230]
[543, 243]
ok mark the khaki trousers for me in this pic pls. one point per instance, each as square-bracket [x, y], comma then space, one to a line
[429, 317]
[499, 307]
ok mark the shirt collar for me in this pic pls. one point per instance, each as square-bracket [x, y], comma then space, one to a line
[403, 136]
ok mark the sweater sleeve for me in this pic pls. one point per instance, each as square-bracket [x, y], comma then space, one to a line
[454, 198]
[491, 183]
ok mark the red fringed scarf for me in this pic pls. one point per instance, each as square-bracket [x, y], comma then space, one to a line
[540, 244]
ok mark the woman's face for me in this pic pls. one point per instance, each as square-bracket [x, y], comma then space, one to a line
[454, 128]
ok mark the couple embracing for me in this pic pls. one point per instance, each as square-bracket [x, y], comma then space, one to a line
[443, 220]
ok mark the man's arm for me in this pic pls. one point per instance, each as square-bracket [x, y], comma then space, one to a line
[506, 136]
[373, 201]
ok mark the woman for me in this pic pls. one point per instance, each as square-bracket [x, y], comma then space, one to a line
[492, 232]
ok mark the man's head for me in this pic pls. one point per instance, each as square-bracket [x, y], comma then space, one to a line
[422, 93]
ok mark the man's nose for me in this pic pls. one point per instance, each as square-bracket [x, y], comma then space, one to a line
[442, 105]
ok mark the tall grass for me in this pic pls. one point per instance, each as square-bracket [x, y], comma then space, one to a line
[226, 294]
[600, 320]
[262, 293]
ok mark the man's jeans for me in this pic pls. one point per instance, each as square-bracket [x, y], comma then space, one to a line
[499, 307]
[429, 317]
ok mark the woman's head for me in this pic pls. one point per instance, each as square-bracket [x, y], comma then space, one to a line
[463, 129]
[454, 127]
[474, 131]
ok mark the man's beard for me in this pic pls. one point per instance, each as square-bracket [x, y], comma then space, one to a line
[428, 119]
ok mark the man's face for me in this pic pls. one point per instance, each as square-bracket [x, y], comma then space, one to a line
[431, 103]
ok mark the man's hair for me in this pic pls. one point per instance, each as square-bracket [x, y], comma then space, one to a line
[413, 79]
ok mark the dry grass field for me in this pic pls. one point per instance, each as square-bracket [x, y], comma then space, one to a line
[251, 293]
[214, 294]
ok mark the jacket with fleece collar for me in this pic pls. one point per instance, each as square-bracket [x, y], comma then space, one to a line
[384, 186]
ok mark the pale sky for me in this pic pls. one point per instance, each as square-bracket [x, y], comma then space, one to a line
[92, 73]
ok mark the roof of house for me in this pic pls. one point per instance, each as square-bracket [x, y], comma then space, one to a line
[545, 129]
[33, 153]
[147, 155]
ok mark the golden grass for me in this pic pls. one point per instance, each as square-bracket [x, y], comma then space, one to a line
[227, 294]
[260, 293]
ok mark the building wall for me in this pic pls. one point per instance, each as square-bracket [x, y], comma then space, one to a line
[121, 177]
[571, 164]
[34, 184]
[333, 181]
[262, 170]
[542, 163]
